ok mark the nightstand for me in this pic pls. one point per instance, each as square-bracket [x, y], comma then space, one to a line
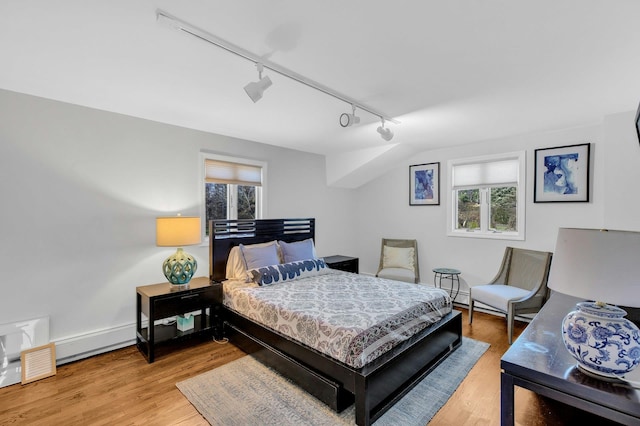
[157, 302]
[342, 263]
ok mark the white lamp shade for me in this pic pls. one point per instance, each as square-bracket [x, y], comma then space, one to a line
[598, 265]
[256, 89]
[386, 133]
[177, 231]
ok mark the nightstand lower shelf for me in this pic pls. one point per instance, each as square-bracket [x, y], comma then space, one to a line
[168, 335]
[161, 301]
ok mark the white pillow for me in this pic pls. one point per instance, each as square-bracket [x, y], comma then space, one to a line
[235, 265]
[398, 257]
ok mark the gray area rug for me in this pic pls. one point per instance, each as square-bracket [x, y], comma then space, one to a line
[245, 392]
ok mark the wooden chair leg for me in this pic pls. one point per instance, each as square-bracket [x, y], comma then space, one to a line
[470, 310]
[510, 323]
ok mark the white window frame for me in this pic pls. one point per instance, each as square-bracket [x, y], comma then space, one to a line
[484, 232]
[231, 213]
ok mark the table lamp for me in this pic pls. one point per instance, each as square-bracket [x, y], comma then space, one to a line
[178, 231]
[602, 266]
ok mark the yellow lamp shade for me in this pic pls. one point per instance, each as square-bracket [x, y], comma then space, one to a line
[177, 231]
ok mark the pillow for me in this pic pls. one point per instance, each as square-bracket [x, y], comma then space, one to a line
[398, 257]
[300, 250]
[288, 271]
[257, 256]
[235, 265]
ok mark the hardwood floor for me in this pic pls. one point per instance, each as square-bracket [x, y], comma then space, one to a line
[121, 388]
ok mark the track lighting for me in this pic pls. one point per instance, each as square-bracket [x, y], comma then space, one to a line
[255, 89]
[386, 133]
[347, 120]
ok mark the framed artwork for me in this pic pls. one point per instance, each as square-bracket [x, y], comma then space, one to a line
[424, 184]
[562, 174]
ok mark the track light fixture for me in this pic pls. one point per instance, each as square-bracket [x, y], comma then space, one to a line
[255, 89]
[386, 133]
[347, 120]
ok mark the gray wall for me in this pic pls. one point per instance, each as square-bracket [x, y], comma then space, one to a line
[384, 209]
[80, 191]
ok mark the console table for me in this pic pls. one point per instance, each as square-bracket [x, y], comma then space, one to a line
[539, 361]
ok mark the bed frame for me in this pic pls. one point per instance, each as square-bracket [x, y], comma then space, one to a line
[373, 388]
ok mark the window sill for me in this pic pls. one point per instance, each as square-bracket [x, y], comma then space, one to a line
[487, 235]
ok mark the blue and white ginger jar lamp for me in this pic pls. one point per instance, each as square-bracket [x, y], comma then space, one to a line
[600, 266]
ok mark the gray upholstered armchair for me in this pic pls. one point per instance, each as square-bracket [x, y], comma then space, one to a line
[519, 288]
[399, 260]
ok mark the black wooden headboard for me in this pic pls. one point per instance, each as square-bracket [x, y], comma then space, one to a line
[225, 234]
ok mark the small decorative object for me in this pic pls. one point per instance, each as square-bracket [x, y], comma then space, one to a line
[424, 184]
[178, 231]
[562, 174]
[601, 266]
[185, 322]
[38, 363]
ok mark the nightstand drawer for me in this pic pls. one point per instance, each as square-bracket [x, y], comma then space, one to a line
[182, 302]
[343, 266]
[343, 263]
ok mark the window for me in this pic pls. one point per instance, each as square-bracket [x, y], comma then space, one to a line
[233, 188]
[488, 196]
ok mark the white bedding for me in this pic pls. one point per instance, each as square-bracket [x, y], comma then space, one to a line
[352, 318]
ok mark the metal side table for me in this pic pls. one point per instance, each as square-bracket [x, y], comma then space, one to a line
[448, 274]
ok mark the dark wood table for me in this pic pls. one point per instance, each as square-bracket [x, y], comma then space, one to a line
[164, 300]
[539, 361]
[343, 263]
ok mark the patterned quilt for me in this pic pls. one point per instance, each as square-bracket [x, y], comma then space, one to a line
[352, 318]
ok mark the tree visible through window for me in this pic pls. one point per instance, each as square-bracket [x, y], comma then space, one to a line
[468, 209]
[216, 201]
[503, 209]
[246, 202]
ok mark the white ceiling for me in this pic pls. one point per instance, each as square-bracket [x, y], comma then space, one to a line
[451, 71]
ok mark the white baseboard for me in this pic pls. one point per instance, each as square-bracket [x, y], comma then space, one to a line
[89, 344]
[85, 345]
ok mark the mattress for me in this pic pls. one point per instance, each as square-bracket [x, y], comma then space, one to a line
[349, 317]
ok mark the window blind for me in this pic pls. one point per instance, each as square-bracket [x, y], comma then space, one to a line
[491, 173]
[232, 173]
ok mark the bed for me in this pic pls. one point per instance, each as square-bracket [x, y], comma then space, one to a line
[373, 379]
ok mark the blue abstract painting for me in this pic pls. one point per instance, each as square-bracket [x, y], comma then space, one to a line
[561, 173]
[424, 184]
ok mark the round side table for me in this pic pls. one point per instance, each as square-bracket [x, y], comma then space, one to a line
[447, 274]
